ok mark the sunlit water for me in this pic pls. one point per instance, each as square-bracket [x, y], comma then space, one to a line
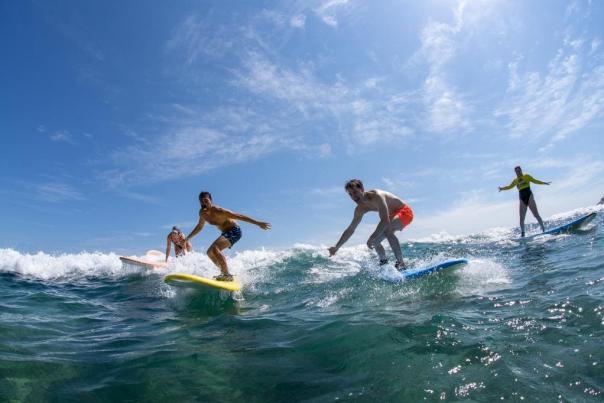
[523, 321]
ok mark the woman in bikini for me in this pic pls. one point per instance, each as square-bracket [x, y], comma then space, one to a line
[181, 246]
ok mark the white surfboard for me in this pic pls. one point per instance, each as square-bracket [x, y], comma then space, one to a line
[153, 259]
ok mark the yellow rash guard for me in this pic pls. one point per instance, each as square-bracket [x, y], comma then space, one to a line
[523, 182]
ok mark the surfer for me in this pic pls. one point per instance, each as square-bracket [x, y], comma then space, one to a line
[231, 232]
[394, 216]
[522, 182]
[181, 246]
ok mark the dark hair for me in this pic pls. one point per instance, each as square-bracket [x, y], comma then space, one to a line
[517, 167]
[354, 183]
[202, 194]
[176, 229]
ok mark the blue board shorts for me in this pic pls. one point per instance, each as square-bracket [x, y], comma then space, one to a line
[233, 235]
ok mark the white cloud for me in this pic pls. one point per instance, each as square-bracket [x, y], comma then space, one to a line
[325, 150]
[445, 108]
[298, 21]
[187, 151]
[328, 10]
[563, 100]
[56, 192]
[196, 37]
[62, 136]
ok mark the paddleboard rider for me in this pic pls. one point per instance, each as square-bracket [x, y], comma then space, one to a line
[394, 216]
[224, 220]
[522, 182]
[181, 247]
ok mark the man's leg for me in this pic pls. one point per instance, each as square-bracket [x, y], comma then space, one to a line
[522, 216]
[395, 225]
[533, 206]
[215, 254]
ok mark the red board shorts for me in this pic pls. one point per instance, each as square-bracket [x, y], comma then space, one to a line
[405, 214]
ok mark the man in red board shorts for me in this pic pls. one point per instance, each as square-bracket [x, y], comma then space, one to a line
[394, 216]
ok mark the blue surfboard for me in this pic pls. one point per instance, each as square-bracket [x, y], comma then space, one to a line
[567, 227]
[393, 275]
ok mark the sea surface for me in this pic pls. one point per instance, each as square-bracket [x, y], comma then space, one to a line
[523, 321]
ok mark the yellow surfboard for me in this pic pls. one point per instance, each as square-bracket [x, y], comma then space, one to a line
[191, 280]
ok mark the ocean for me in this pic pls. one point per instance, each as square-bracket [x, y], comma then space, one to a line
[523, 321]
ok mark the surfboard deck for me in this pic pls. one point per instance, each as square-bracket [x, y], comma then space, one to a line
[567, 227]
[193, 281]
[393, 275]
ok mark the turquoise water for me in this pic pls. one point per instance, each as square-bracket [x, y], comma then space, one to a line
[524, 321]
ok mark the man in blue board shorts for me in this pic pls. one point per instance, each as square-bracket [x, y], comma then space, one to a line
[230, 231]
[394, 216]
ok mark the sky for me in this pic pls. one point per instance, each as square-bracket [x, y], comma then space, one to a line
[115, 115]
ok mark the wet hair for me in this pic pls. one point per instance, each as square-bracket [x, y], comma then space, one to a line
[354, 183]
[202, 194]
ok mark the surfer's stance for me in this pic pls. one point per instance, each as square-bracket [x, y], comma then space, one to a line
[394, 216]
[522, 182]
[231, 232]
[181, 247]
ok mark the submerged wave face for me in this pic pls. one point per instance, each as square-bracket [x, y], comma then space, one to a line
[522, 321]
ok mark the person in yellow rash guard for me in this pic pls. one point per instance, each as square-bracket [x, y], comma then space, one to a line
[522, 182]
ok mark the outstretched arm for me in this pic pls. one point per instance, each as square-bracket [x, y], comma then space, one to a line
[356, 219]
[196, 230]
[168, 247]
[241, 217]
[536, 181]
[508, 187]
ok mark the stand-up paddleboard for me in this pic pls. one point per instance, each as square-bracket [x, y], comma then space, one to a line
[152, 260]
[569, 226]
[393, 275]
[193, 281]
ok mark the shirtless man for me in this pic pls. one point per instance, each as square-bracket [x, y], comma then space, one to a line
[181, 247]
[394, 216]
[231, 233]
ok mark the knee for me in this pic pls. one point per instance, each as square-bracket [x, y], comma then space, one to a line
[211, 250]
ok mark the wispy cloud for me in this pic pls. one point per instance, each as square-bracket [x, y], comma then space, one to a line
[196, 37]
[327, 11]
[62, 136]
[55, 192]
[189, 146]
[559, 102]
[298, 21]
[445, 107]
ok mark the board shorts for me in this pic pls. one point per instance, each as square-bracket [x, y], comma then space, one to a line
[232, 235]
[525, 195]
[405, 214]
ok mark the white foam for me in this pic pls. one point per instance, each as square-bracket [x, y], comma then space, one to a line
[482, 276]
[63, 266]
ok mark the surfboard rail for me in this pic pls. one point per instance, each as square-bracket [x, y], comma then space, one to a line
[187, 280]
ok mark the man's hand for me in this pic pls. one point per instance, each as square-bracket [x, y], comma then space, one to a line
[332, 251]
[264, 225]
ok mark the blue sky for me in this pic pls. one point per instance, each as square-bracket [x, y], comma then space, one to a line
[114, 115]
